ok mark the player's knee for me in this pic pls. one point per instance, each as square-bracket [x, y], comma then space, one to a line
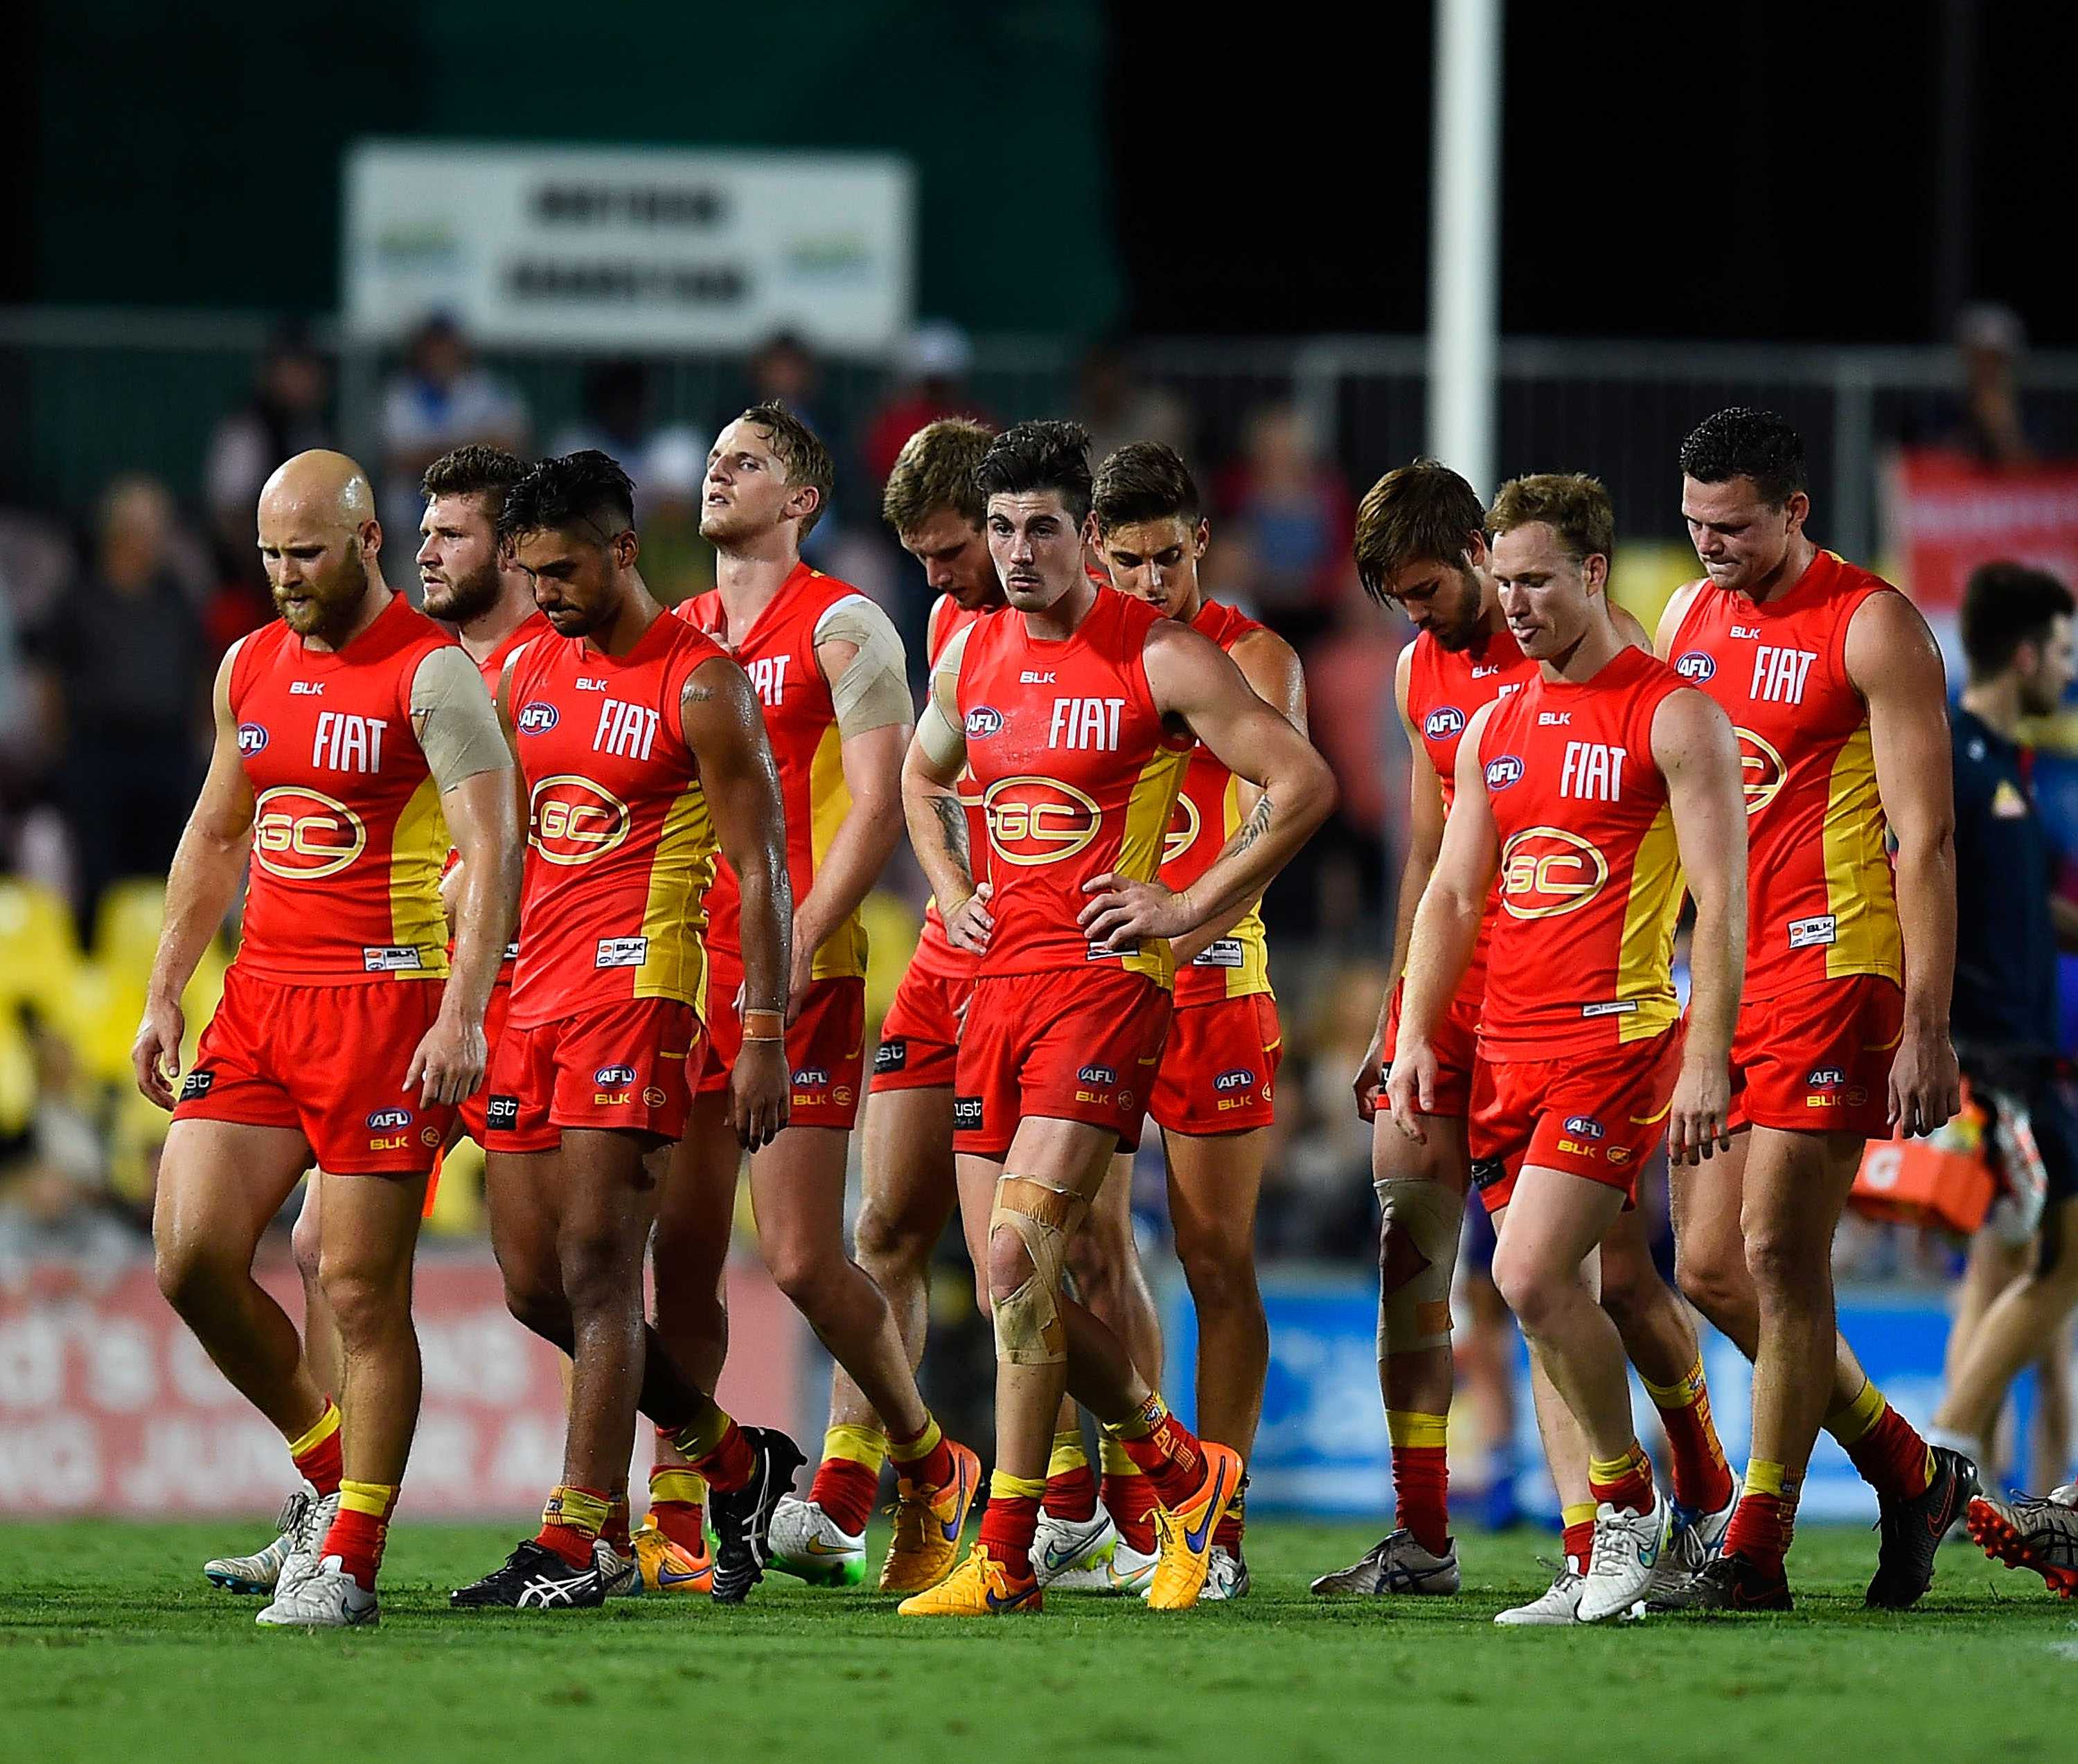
[190, 1271]
[1219, 1269]
[303, 1243]
[1009, 1264]
[1531, 1287]
[598, 1272]
[1785, 1264]
[1631, 1291]
[539, 1308]
[888, 1243]
[805, 1272]
[367, 1301]
[1713, 1278]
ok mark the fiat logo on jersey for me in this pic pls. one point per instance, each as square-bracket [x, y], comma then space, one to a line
[1546, 871]
[1184, 821]
[1503, 772]
[1038, 820]
[573, 820]
[537, 718]
[1695, 665]
[1444, 724]
[1762, 773]
[302, 834]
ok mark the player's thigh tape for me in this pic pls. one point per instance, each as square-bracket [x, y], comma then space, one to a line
[1028, 1331]
[1418, 1252]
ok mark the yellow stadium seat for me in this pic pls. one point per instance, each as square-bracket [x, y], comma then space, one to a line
[891, 928]
[126, 925]
[18, 1075]
[39, 952]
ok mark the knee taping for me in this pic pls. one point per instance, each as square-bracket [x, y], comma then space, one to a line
[1419, 1252]
[1028, 1330]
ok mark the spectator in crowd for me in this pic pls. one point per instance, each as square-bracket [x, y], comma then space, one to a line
[1991, 341]
[2022, 654]
[1317, 1200]
[1116, 407]
[284, 415]
[126, 650]
[784, 370]
[614, 415]
[677, 563]
[442, 399]
[933, 365]
[1295, 511]
[54, 1193]
[1351, 665]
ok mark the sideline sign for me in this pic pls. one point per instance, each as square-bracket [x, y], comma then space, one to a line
[628, 247]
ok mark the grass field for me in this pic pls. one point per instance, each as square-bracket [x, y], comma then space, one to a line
[111, 1646]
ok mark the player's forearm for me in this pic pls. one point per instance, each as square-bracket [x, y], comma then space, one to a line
[1414, 876]
[767, 930]
[1193, 944]
[1717, 973]
[1291, 806]
[1926, 881]
[200, 887]
[937, 823]
[486, 908]
[857, 853]
[1446, 927]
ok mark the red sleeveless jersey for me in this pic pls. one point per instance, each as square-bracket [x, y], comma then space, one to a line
[1077, 778]
[1590, 877]
[779, 653]
[1446, 689]
[492, 667]
[934, 954]
[1819, 901]
[620, 848]
[1208, 813]
[347, 834]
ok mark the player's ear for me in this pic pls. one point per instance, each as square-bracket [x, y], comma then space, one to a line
[1797, 511]
[805, 500]
[1201, 538]
[626, 548]
[1092, 541]
[1595, 572]
[370, 536]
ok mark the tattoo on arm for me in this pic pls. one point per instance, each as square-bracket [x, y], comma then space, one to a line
[953, 823]
[1254, 828]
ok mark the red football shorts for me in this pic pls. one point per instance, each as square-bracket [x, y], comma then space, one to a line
[920, 1037]
[470, 1109]
[1218, 1066]
[1599, 1114]
[327, 1060]
[1457, 1050]
[825, 1044]
[1818, 1060]
[1076, 1046]
[626, 1066]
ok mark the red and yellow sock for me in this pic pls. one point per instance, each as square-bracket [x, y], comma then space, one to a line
[1765, 1519]
[1011, 1519]
[1624, 1482]
[925, 1462]
[678, 1506]
[717, 1449]
[571, 1523]
[1071, 1487]
[616, 1531]
[1578, 1540]
[1884, 1447]
[1167, 1452]
[1702, 1478]
[848, 1476]
[361, 1530]
[1421, 1476]
[317, 1453]
[1129, 1497]
[1232, 1525]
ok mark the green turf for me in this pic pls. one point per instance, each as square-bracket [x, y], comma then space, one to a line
[111, 1646]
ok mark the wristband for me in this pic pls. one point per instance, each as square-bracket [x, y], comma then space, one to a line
[776, 1020]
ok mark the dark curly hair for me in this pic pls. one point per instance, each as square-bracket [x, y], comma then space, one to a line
[1741, 442]
[587, 490]
[1048, 455]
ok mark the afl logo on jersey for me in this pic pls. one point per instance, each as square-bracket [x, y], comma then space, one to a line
[252, 737]
[1443, 722]
[983, 719]
[536, 718]
[1762, 772]
[609, 1076]
[1503, 772]
[1038, 820]
[303, 834]
[1184, 821]
[1546, 871]
[572, 820]
[383, 1119]
[1695, 665]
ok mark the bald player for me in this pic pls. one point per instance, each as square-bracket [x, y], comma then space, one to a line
[351, 736]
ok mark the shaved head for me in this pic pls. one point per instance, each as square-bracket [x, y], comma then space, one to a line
[320, 541]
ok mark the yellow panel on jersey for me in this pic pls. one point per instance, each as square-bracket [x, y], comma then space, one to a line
[418, 854]
[1644, 955]
[1144, 835]
[1859, 892]
[675, 962]
[844, 952]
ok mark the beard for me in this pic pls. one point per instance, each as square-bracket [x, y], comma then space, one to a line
[326, 605]
[460, 599]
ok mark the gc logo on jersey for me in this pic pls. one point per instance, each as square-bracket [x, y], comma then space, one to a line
[1762, 772]
[303, 834]
[1546, 871]
[1695, 665]
[1184, 822]
[1038, 820]
[573, 820]
[1443, 723]
[1503, 772]
[537, 718]
[252, 737]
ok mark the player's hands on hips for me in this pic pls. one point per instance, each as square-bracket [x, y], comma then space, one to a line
[1122, 913]
[155, 1056]
[1370, 1081]
[969, 924]
[1410, 1088]
[1698, 1121]
[449, 1062]
[1925, 1083]
[761, 1093]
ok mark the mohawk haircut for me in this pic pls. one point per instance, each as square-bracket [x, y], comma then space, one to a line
[1742, 442]
[584, 489]
[1574, 507]
[935, 472]
[1145, 480]
[474, 470]
[1422, 512]
[800, 450]
[1047, 455]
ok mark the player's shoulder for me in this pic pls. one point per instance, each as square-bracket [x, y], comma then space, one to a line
[1681, 606]
[688, 646]
[407, 632]
[813, 593]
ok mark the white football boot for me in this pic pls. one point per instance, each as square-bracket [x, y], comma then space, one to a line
[1071, 1555]
[262, 1571]
[809, 1545]
[1627, 1548]
[1557, 1606]
[322, 1597]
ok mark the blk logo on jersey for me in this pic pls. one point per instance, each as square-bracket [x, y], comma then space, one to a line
[1778, 674]
[1592, 772]
[572, 820]
[1547, 872]
[303, 835]
[1817, 932]
[1085, 725]
[537, 718]
[1443, 723]
[346, 742]
[1695, 664]
[252, 737]
[1503, 772]
[1038, 820]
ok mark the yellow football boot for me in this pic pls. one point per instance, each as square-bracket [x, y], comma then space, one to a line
[667, 1567]
[928, 1523]
[1185, 1536]
[981, 1587]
